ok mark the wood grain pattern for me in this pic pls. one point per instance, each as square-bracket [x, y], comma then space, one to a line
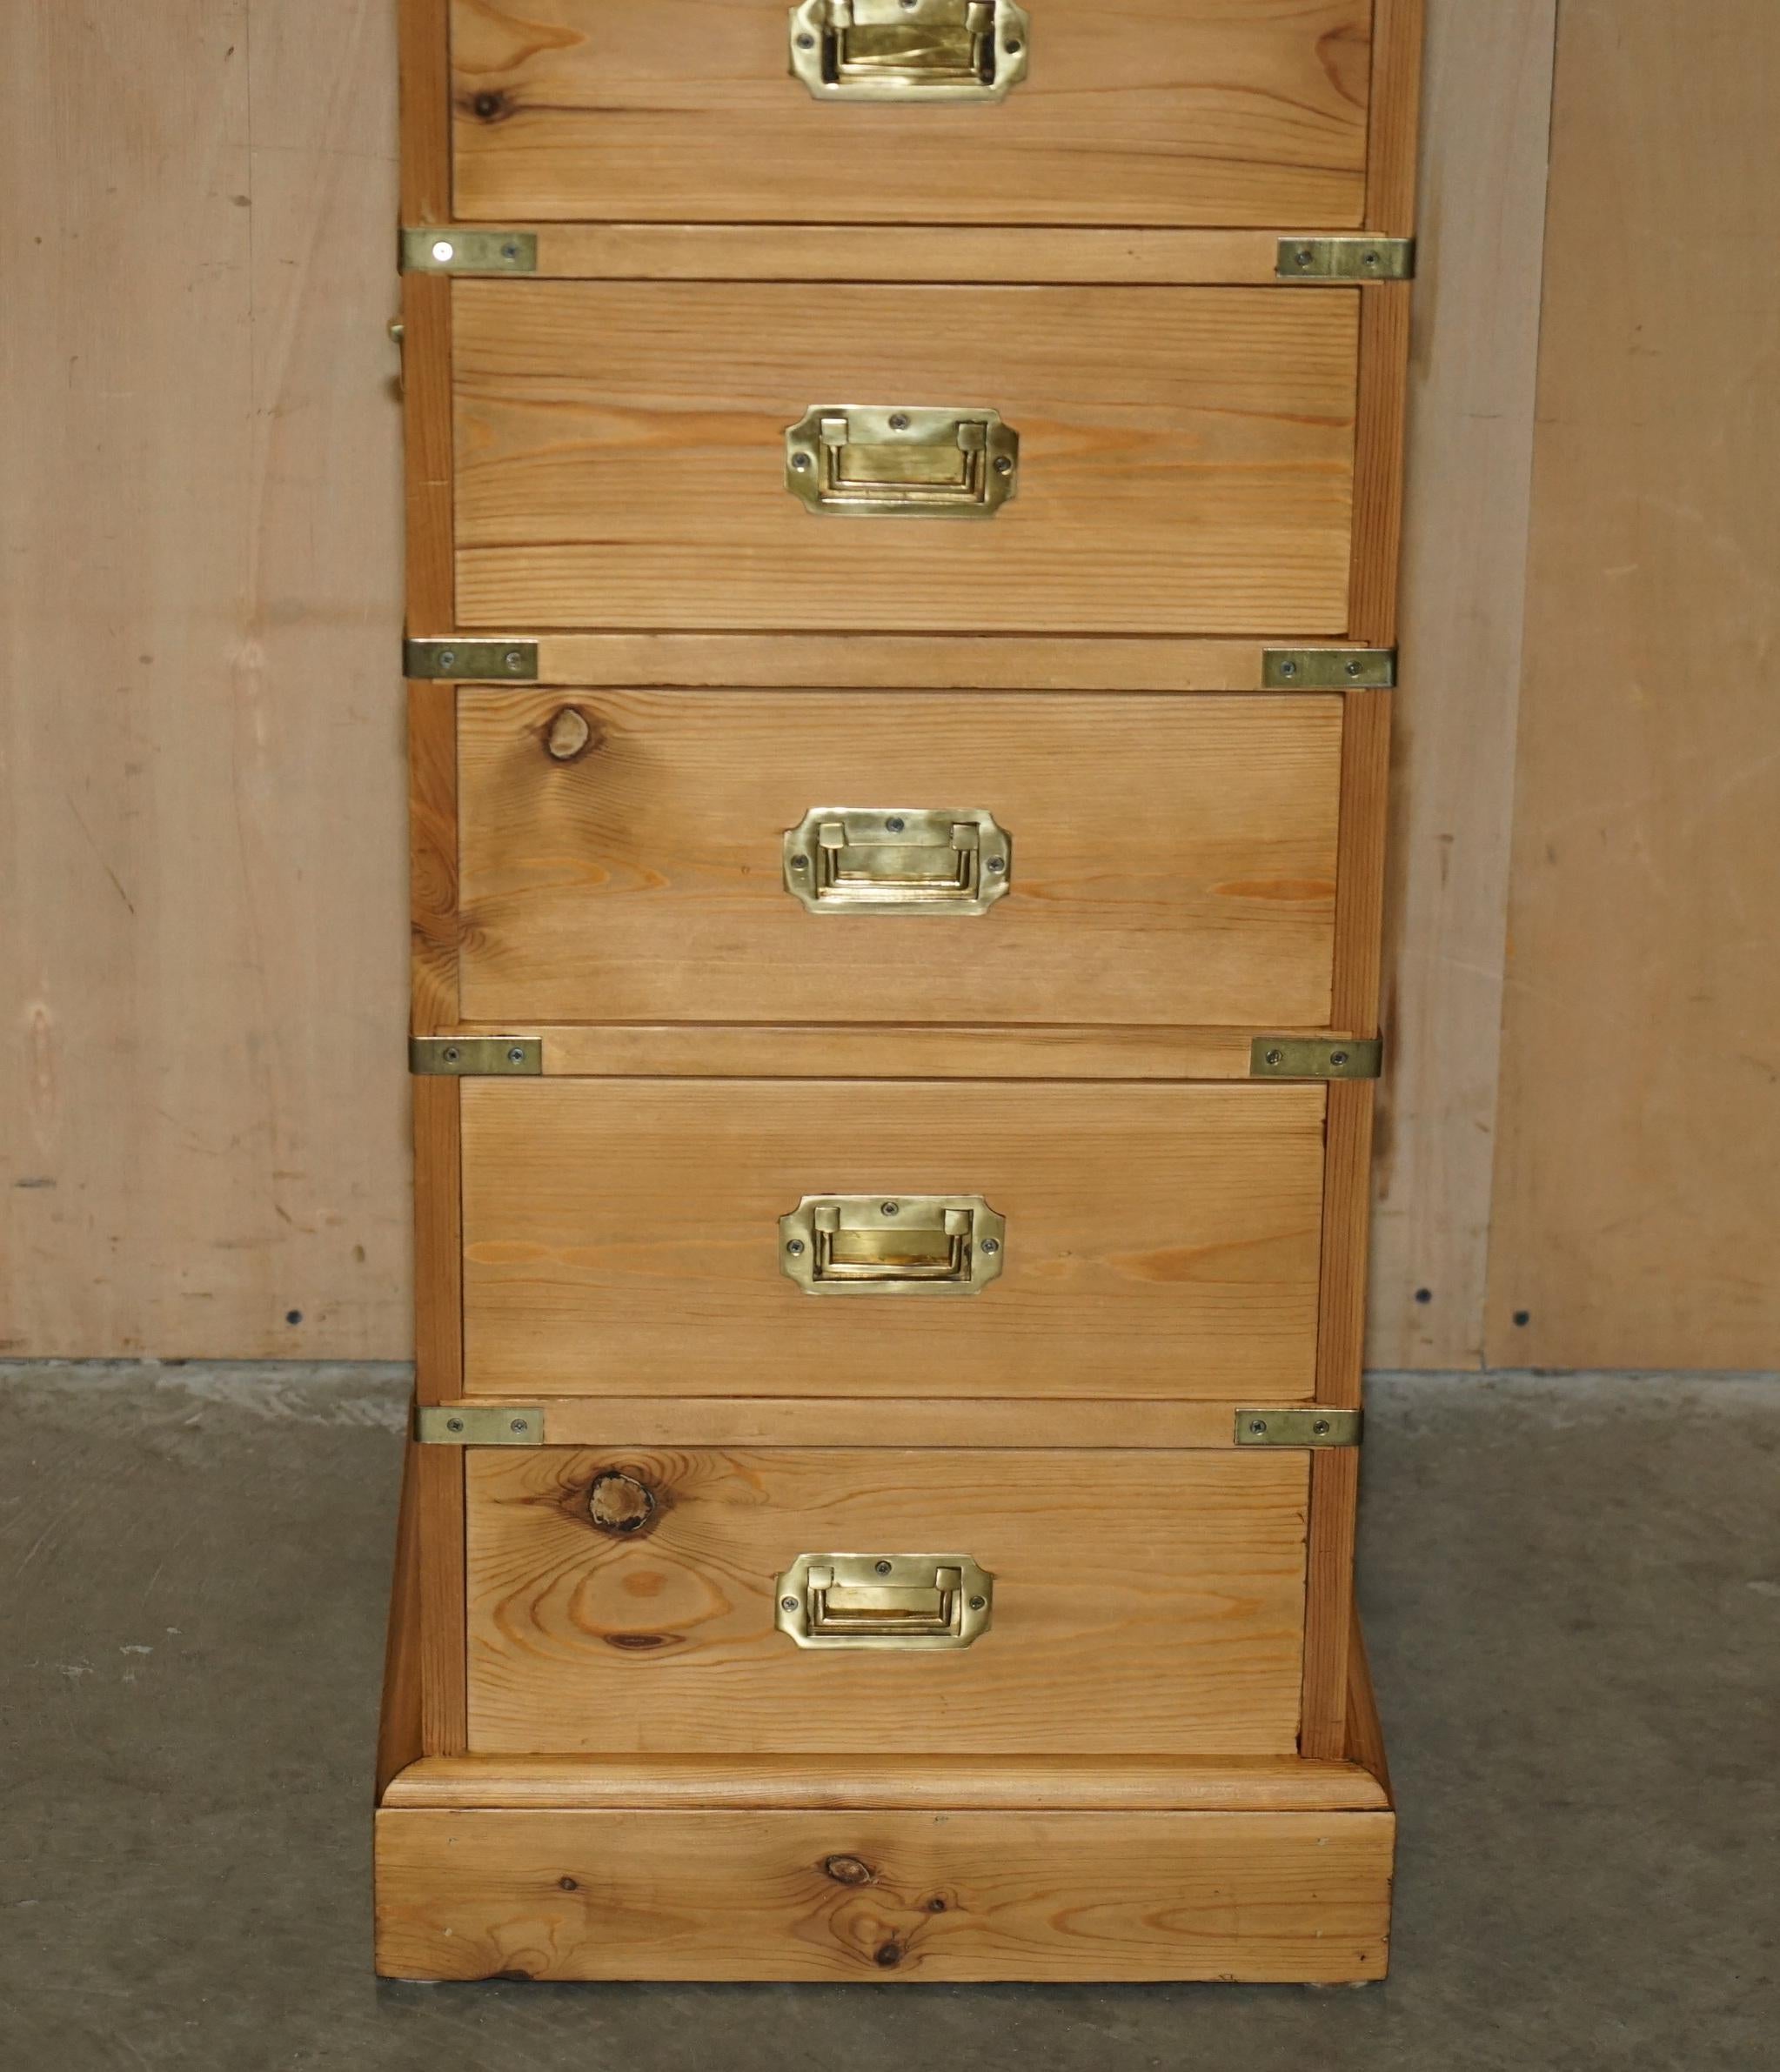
[1470, 451]
[1365, 1737]
[401, 1736]
[898, 662]
[1347, 1202]
[658, 1049]
[424, 36]
[746, 1895]
[1360, 871]
[1328, 1604]
[662, 251]
[1398, 31]
[433, 856]
[1186, 459]
[204, 1134]
[941, 1420]
[1173, 859]
[621, 1237]
[439, 1491]
[1637, 1221]
[1378, 472]
[1015, 1783]
[426, 416]
[1171, 1585]
[1165, 111]
[438, 1347]
[1335, 1480]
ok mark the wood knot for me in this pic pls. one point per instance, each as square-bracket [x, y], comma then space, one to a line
[847, 1870]
[570, 1884]
[489, 106]
[569, 736]
[887, 1955]
[619, 1503]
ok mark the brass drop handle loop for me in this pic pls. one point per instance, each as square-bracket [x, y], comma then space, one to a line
[910, 50]
[892, 1244]
[901, 460]
[910, 1600]
[894, 859]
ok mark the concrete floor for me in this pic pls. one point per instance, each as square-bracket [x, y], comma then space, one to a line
[1573, 1593]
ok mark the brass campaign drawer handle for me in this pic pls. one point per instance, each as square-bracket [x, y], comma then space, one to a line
[892, 1244]
[897, 859]
[866, 460]
[919, 50]
[885, 1601]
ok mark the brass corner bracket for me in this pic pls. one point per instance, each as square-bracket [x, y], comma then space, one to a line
[1328, 668]
[471, 661]
[1305, 1427]
[1315, 1058]
[476, 1057]
[1353, 257]
[478, 1424]
[450, 250]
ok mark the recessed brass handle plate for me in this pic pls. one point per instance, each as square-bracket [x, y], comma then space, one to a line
[893, 1243]
[897, 859]
[918, 1600]
[920, 50]
[870, 460]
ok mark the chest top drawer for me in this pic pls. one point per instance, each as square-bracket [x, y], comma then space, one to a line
[831, 858]
[1146, 113]
[767, 457]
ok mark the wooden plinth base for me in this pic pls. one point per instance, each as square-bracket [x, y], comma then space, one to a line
[884, 1869]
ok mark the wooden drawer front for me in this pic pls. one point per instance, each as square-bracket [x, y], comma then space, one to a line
[1186, 457]
[1173, 859]
[1141, 1601]
[1155, 113]
[621, 1238]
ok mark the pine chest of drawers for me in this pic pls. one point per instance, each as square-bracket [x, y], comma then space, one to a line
[902, 533]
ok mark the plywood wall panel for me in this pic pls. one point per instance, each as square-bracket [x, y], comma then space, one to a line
[203, 1126]
[1471, 444]
[1637, 1221]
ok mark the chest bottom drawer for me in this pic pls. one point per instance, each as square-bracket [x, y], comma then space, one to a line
[844, 1600]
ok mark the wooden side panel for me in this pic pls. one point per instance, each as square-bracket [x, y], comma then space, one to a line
[1378, 474]
[621, 1238]
[1160, 111]
[1186, 461]
[401, 1737]
[1637, 1221]
[1173, 859]
[954, 1895]
[1470, 452]
[423, 31]
[1399, 28]
[1170, 1585]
